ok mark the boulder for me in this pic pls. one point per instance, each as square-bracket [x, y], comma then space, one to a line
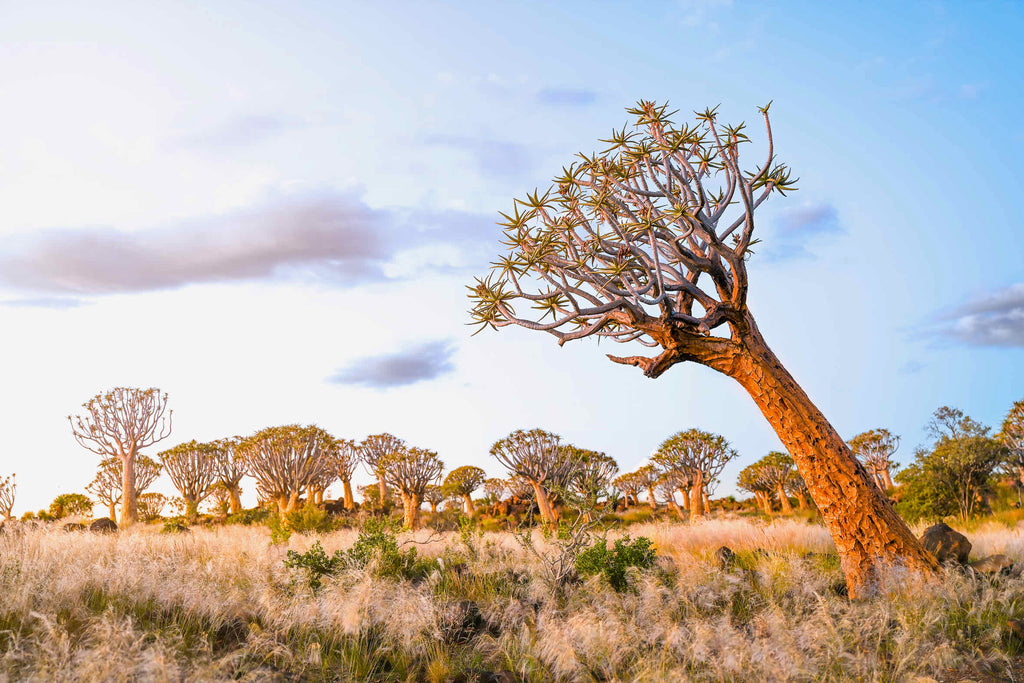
[74, 526]
[993, 564]
[726, 557]
[946, 544]
[460, 621]
[103, 525]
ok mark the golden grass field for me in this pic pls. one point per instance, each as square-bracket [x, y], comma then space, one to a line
[218, 604]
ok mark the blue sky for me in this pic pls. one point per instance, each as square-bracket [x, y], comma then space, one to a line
[271, 211]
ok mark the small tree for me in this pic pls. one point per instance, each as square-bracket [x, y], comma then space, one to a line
[346, 461]
[495, 489]
[750, 480]
[538, 457]
[668, 484]
[374, 451]
[630, 486]
[192, 468]
[648, 242]
[119, 424]
[435, 495]
[8, 488]
[287, 460]
[411, 470]
[797, 487]
[463, 481]
[106, 486]
[875, 449]
[70, 504]
[1012, 437]
[775, 471]
[648, 476]
[231, 467]
[592, 479]
[151, 505]
[695, 455]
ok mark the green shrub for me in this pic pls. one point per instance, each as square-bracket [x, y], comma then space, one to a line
[612, 564]
[377, 542]
[248, 517]
[316, 563]
[68, 504]
[309, 519]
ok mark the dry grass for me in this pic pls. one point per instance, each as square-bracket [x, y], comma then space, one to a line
[220, 605]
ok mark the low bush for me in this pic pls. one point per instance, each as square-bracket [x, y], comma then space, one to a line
[613, 564]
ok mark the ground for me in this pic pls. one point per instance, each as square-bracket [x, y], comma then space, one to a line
[221, 603]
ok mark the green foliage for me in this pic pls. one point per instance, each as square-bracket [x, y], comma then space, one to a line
[921, 496]
[377, 544]
[248, 517]
[174, 526]
[310, 519]
[316, 563]
[279, 531]
[613, 564]
[69, 504]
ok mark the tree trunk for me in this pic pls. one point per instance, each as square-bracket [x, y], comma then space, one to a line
[129, 496]
[865, 528]
[412, 511]
[651, 499]
[234, 499]
[469, 504]
[676, 508]
[383, 488]
[112, 510]
[543, 503]
[191, 511]
[801, 501]
[887, 479]
[697, 497]
[784, 505]
[350, 501]
[433, 507]
[707, 501]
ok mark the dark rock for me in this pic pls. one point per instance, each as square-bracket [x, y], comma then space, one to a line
[497, 677]
[993, 564]
[74, 526]
[946, 544]
[460, 621]
[840, 589]
[726, 557]
[103, 525]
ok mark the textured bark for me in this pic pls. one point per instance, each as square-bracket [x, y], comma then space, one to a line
[697, 497]
[652, 501]
[544, 503]
[469, 504]
[234, 499]
[887, 479]
[112, 511]
[801, 501]
[412, 505]
[129, 504]
[350, 501]
[865, 528]
[784, 504]
[191, 511]
[383, 488]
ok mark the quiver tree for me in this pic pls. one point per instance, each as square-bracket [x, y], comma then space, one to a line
[775, 470]
[463, 481]
[495, 489]
[875, 449]
[119, 424]
[668, 484]
[8, 488]
[151, 505]
[797, 487]
[592, 479]
[435, 495]
[698, 456]
[647, 476]
[539, 458]
[106, 486]
[231, 467]
[519, 487]
[345, 463]
[648, 242]
[374, 451]
[1012, 437]
[411, 470]
[285, 461]
[70, 504]
[192, 468]
[750, 480]
[630, 486]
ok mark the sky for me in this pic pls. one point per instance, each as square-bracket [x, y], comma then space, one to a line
[272, 210]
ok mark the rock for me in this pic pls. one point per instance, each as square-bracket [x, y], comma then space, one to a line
[993, 564]
[497, 677]
[74, 526]
[461, 620]
[946, 544]
[726, 557]
[103, 525]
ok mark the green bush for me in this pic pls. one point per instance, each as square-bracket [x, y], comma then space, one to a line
[315, 563]
[68, 504]
[248, 517]
[309, 519]
[612, 564]
[377, 542]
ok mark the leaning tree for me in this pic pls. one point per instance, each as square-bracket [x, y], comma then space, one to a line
[119, 424]
[373, 451]
[648, 242]
[192, 468]
[875, 449]
[463, 481]
[411, 470]
[540, 458]
[286, 461]
[1012, 436]
[8, 488]
[750, 480]
[231, 467]
[106, 485]
[695, 455]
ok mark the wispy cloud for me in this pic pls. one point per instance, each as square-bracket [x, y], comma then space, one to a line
[240, 131]
[330, 236]
[996, 319]
[492, 158]
[794, 230]
[53, 302]
[417, 364]
[567, 97]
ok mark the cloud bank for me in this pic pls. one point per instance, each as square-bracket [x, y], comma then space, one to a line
[417, 364]
[996, 319]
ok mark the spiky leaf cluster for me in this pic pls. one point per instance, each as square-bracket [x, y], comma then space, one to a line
[288, 460]
[465, 480]
[192, 468]
[693, 454]
[412, 469]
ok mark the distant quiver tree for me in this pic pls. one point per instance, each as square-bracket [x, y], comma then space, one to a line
[231, 467]
[648, 243]
[286, 461]
[463, 481]
[347, 458]
[106, 486]
[192, 468]
[697, 455]
[120, 423]
[373, 451]
[411, 470]
[875, 449]
[8, 488]
[539, 457]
